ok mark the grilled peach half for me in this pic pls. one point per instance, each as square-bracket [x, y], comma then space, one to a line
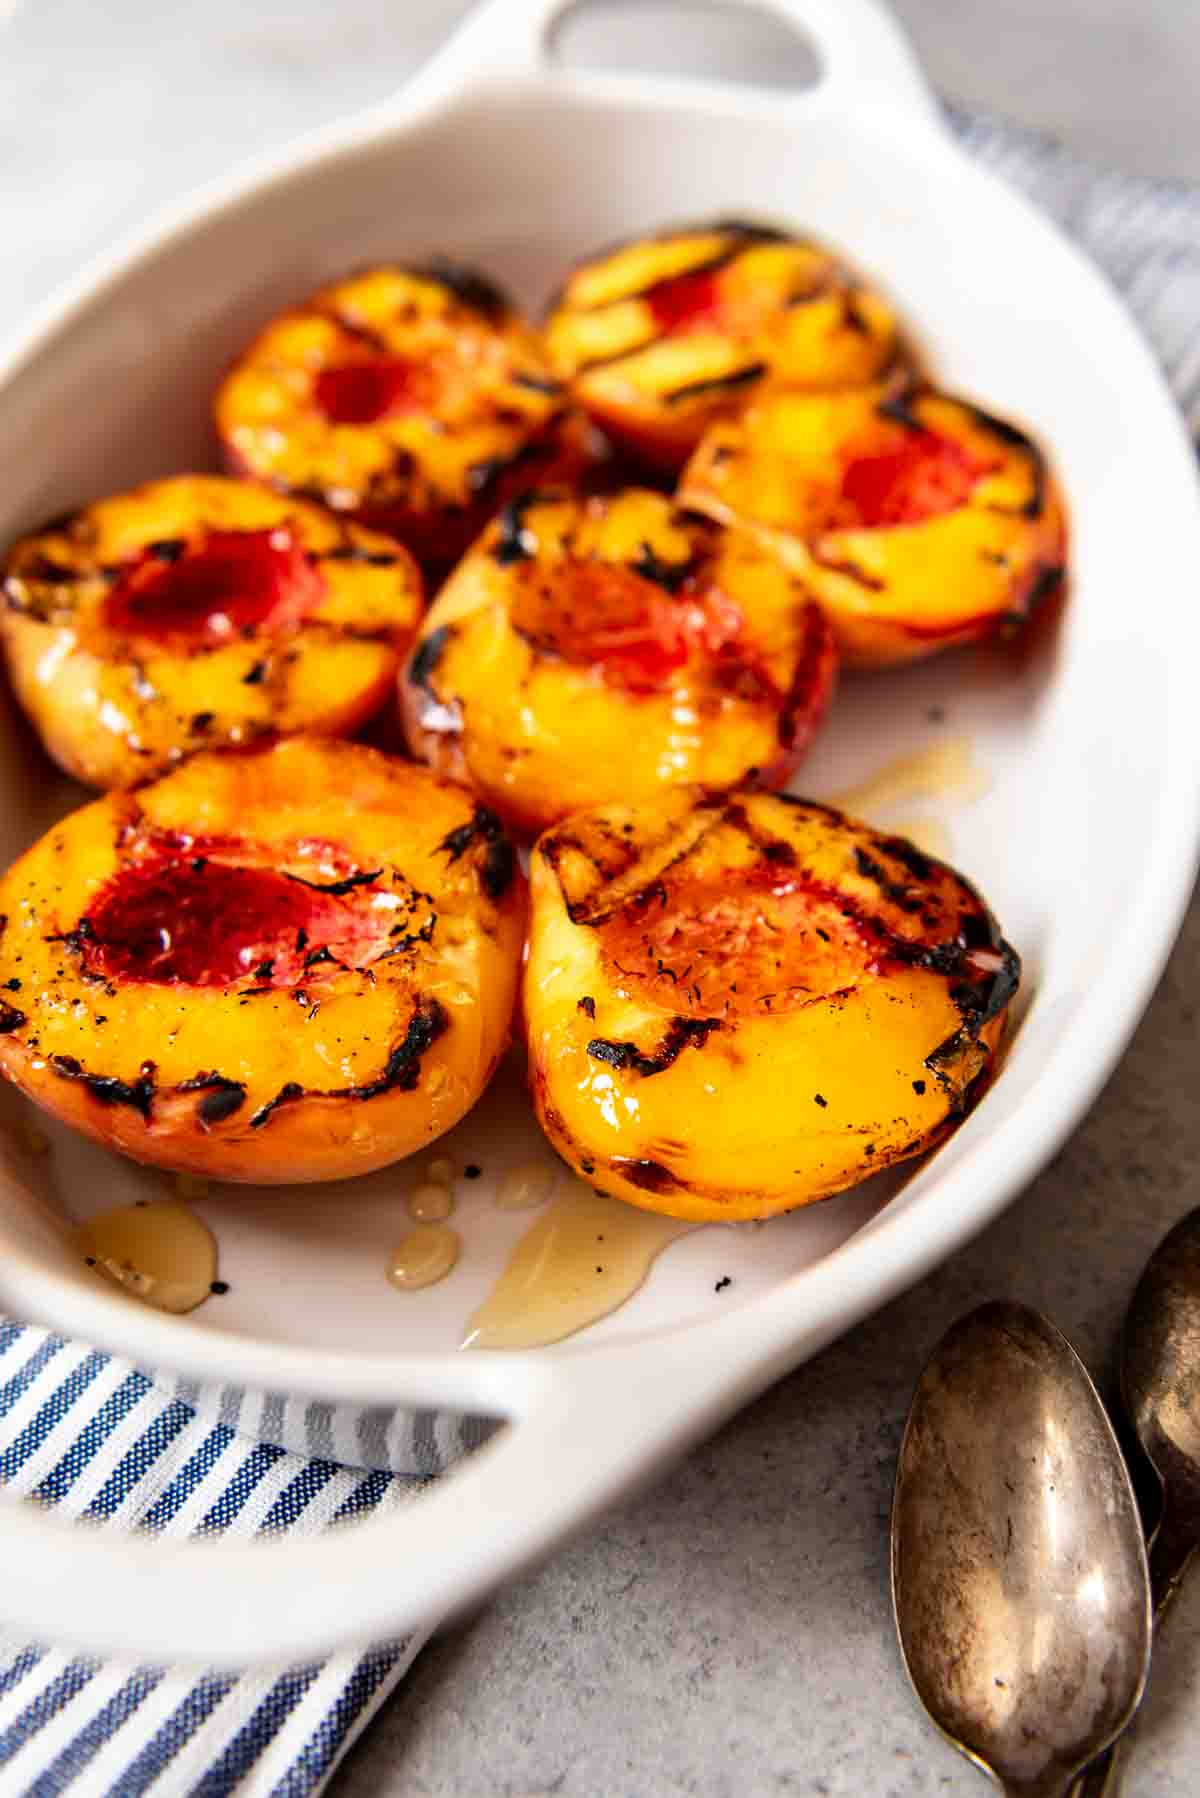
[284, 964]
[918, 520]
[662, 335]
[588, 649]
[737, 1005]
[200, 612]
[413, 400]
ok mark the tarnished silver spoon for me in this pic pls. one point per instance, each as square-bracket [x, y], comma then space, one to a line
[1160, 1389]
[1019, 1573]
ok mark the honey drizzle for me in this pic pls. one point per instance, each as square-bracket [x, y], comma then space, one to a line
[160, 1252]
[582, 1258]
[945, 770]
[423, 1257]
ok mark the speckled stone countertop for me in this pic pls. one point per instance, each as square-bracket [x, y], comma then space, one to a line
[729, 1633]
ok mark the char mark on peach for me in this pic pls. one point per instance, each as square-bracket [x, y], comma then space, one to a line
[468, 286]
[401, 1072]
[679, 1033]
[428, 655]
[106, 1088]
[737, 377]
[641, 1171]
[515, 541]
[220, 1096]
[336, 888]
[498, 862]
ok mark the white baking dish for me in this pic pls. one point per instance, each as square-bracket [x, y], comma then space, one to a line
[1085, 842]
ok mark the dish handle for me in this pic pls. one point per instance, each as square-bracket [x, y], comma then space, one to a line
[866, 61]
[588, 1426]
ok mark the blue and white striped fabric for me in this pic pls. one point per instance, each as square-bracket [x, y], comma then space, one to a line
[96, 1438]
[90, 1434]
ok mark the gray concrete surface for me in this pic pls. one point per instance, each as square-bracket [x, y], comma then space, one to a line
[727, 1634]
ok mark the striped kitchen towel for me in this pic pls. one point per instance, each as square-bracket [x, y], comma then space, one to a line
[91, 1435]
[88, 1433]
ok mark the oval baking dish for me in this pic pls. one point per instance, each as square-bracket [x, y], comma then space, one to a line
[1085, 840]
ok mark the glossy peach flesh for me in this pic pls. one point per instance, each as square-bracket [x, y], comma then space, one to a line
[607, 615]
[184, 919]
[752, 944]
[924, 476]
[361, 393]
[214, 587]
[687, 302]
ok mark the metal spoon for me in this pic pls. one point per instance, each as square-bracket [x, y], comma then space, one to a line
[1160, 1389]
[1019, 1574]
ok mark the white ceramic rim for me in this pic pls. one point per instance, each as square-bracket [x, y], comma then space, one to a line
[244, 1604]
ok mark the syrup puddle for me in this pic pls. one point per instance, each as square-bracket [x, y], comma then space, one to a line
[528, 1184]
[945, 770]
[430, 1203]
[583, 1257]
[423, 1257]
[926, 834]
[160, 1252]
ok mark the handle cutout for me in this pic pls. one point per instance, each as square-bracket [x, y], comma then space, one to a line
[744, 45]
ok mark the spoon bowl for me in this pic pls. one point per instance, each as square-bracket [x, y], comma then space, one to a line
[1160, 1385]
[1160, 1392]
[1019, 1576]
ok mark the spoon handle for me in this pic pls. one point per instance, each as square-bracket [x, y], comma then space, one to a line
[1171, 1549]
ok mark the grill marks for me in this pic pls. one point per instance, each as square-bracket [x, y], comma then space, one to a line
[220, 1097]
[992, 977]
[691, 300]
[427, 656]
[287, 621]
[984, 968]
[401, 1071]
[38, 583]
[642, 616]
[670, 576]
[403, 1068]
[729, 382]
[412, 1013]
[290, 1091]
[643, 1171]
[1016, 439]
[680, 1032]
[900, 408]
[815, 674]
[468, 286]
[686, 298]
[897, 891]
[741, 235]
[515, 542]
[954, 936]
[335, 888]
[106, 1088]
[418, 403]
[1045, 583]
[495, 860]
